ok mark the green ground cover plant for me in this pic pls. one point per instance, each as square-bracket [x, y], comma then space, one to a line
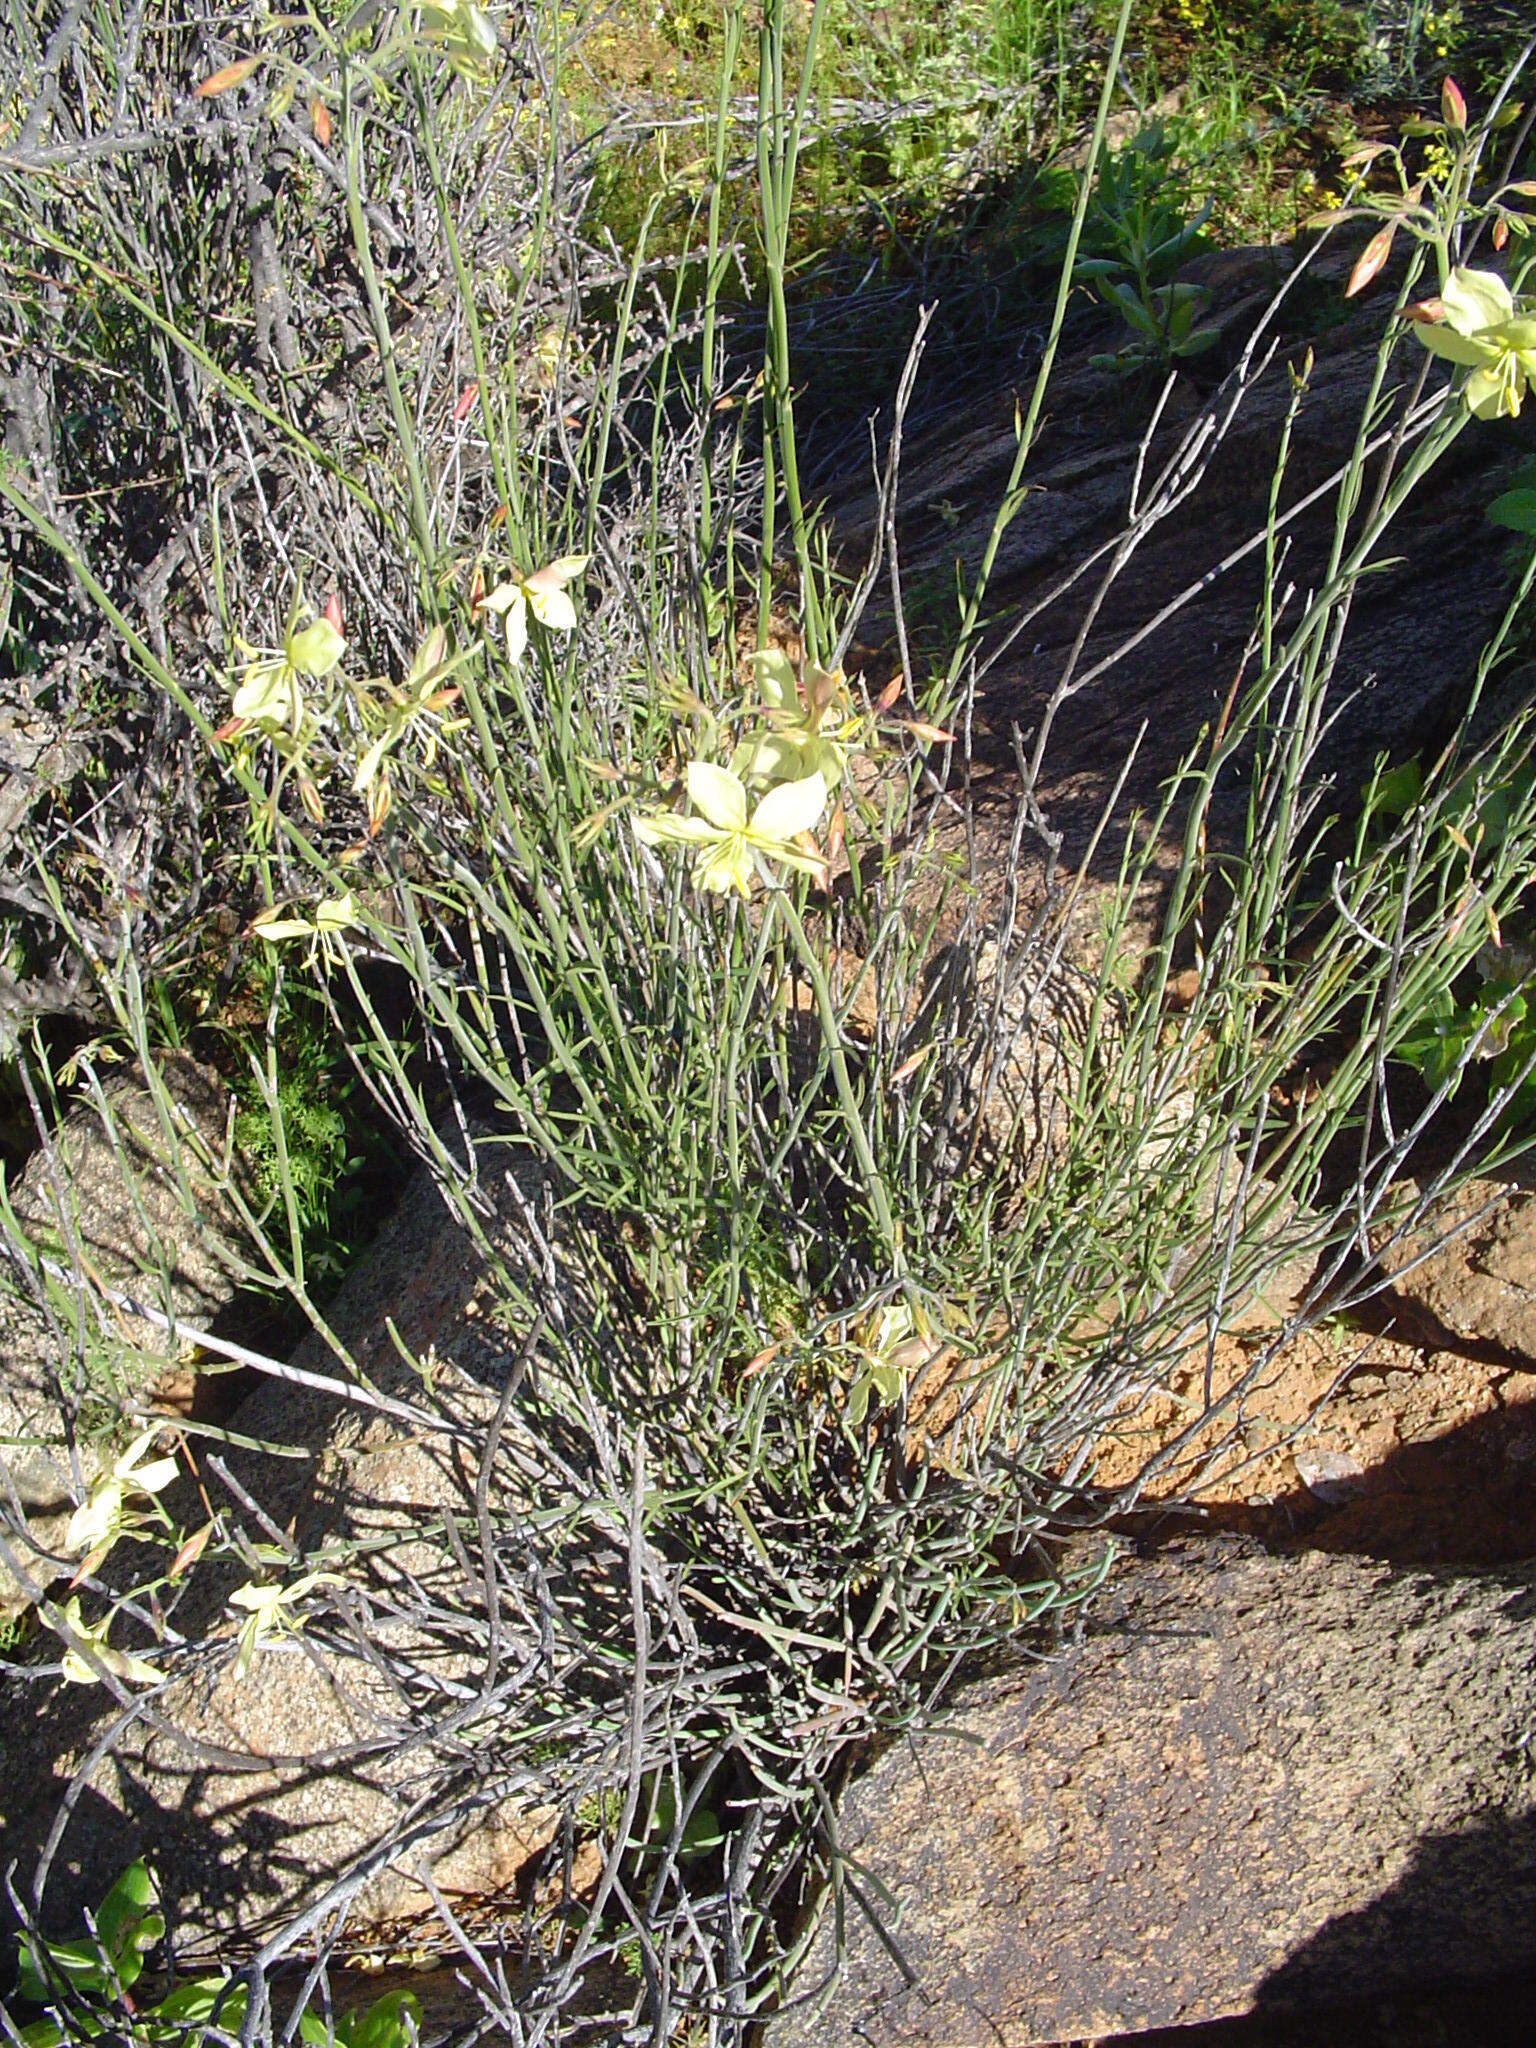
[456, 645]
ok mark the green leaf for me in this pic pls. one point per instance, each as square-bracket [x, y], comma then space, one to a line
[1515, 509]
[1394, 793]
[1198, 342]
[80, 1963]
[1435, 1048]
[390, 2022]
[196, 2003]
[129, 1923]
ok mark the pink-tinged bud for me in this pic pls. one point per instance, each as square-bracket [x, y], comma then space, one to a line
[226, 79]
[467, 398]
[905, 1072]
[835, 830]
[888, 695]
[1500, 232]
[332, 611]
[1453, 108]
[1372, 257]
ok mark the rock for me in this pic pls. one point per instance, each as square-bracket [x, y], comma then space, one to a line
[1331, 1476]
[1261, 1780]
[124, 1207]
[1476, 1290]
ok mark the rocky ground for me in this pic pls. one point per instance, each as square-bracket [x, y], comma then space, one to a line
[1405, 1432]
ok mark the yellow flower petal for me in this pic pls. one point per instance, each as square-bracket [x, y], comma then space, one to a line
[556, 574]
[718, 795]
[1474, 299]
[668, 828]
[316, 650]
[1468, 350]
[791, 808]
[552, 608]
[517, 628]
[1494, 393]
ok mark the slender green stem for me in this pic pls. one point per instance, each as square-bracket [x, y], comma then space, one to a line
[1013, 495]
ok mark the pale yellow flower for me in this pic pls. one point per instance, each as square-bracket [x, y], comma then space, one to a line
[463, 32]
[77, 1667]
[1474, 323]
[332, 914]
[98, 1522]
[419, 702]
[731, 846]
[271, 694]
[269, 1612]
[813, 727]
[890, 1344]
[543, 594]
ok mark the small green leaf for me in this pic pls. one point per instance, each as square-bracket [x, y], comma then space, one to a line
[196, 2003]
[80, 1963]
[1395, 792]
[129, 1923]
[1515, 509]
[390, 2022]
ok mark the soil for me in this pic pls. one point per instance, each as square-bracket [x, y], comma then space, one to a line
[1413, 1440]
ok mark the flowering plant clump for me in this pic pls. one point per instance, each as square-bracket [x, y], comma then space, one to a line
[1474, 322]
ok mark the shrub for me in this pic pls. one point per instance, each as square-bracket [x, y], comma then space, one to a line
[832, 1216]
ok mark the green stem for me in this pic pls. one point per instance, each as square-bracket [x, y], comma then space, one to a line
[1013, 496]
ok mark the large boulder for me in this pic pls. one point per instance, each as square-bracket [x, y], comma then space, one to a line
[1272, 1781]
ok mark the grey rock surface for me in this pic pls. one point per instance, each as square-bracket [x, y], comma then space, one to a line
[1260, 1781]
